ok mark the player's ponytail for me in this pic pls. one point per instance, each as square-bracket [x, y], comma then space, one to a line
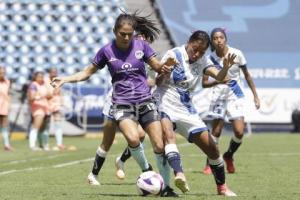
[143, 25]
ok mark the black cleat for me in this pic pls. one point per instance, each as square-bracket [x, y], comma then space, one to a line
[168, 192]
[150, 168]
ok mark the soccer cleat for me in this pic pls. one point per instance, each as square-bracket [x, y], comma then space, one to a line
[207, 170]
[120, 168]
[150, 168]
[168, 192]
[225, 191]
[92, 179]
[229, 164]
[36, 149]
[8, 148]
[180, 183]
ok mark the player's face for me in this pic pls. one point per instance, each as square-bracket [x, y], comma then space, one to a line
[196, 50]
[219, 41]
[124, 35]
[53, 73]
[39, 78]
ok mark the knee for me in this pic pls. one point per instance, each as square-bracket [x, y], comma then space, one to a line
[133, 141]
[239, 134]
[169, 135]
[158, 147]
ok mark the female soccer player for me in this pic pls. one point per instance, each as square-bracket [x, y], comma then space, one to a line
[4, 107]
[228, 98]
[177, 110]
[55, 105]
[132, 100]
[38, 96]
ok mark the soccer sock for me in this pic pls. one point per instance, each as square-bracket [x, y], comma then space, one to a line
[58, 133]
[40, 138]
[217, 168]
[125, 155]
[233, 146]
[163, 168]
[139, 155]
[32, 137]
[5, 136]
[173, 157]
[45, 137]
[99, 160]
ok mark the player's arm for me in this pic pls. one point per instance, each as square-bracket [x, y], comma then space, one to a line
[77, 77]
[33, 93]
[251, 85]
[162, 67]
[206, 83]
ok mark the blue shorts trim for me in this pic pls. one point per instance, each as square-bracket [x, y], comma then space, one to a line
[196, 131]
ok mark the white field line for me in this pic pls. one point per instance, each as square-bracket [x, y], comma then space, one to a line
[13, 162]
[75, 162]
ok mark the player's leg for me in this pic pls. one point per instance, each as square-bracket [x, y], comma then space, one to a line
[120, 160]
[172, 154]
[58, 131]
[37, 121]
[44, 133]
[235, 142]
[109, 132]
[217, 127]
[4, 132]
[207, 144]
[236, 116]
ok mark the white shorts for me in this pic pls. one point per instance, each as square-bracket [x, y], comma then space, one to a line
[221, 108]
[185, 124]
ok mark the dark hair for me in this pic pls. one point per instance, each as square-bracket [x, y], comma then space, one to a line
[200, 35]
[35, 75]
[215, 30]
[142, 25]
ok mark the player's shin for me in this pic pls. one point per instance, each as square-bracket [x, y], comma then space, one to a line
[139, 155]
[99, 160]
[163, 167]
[217, 167]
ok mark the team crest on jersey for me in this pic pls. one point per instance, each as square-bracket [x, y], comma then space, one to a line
[139, 54]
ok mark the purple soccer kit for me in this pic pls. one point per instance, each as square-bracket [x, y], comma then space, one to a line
[127, 69]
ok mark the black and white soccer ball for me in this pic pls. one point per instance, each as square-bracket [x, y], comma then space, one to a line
[149, 183]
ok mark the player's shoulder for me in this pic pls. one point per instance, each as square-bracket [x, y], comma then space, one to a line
[235, 51]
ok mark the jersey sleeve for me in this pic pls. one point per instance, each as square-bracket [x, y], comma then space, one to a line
[242, 60]
[205, 63]
[100, 59]
[32, 87]
[148, 51]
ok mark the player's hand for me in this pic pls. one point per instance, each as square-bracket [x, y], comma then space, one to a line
[57, 82]
[166, 69]
[171, 61]
[257, 102]
[229, 60]
[224, 81]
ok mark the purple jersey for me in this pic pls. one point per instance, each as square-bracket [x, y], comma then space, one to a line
[127, 69]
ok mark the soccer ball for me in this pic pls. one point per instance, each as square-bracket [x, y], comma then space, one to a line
[149, 183]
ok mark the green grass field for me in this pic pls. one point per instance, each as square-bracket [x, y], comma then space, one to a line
[268, 167]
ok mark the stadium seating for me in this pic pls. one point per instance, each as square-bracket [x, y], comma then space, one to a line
[35, 35]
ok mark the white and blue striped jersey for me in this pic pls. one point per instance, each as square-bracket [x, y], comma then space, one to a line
[175, 94]
[233, 89]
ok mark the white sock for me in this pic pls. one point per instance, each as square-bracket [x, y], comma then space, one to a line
[5, 136]
[58, 133]
[32, 137]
